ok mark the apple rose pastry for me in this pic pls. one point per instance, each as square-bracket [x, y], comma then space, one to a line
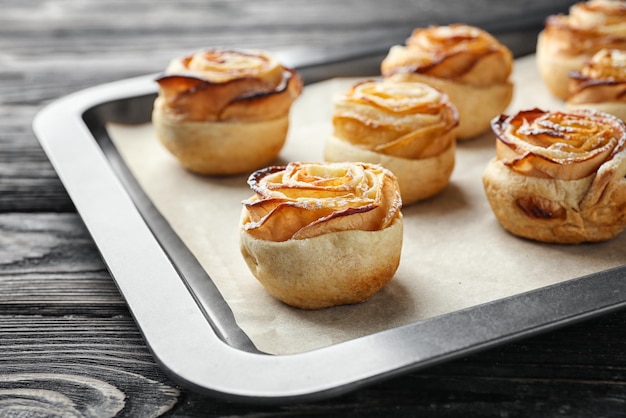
[600, 84]
[468, 64]
[317, 235]
[568, 41]
[559, 176]
[225, 112]
[408, 127]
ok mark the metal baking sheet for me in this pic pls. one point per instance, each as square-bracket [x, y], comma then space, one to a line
[186, 322]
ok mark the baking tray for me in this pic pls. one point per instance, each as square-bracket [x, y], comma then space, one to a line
[190, 328]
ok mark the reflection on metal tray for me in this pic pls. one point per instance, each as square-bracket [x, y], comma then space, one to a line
[196, 339]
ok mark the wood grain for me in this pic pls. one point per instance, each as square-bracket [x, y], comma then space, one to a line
[68, 344]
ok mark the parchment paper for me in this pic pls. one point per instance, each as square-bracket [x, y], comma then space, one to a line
[455, 254]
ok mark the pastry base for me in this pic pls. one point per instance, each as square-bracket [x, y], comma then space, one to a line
[221, 148]
[338, 268]
[554, 67]
[556, 211]
[418, 179]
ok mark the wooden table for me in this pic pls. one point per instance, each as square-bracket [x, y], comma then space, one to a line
[68, 345]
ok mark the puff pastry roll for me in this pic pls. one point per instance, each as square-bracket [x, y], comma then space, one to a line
[317, 235]
[224, 112]
[558, 177]
[600, 84]
[468, 64]
[570, 40]
[408, 127]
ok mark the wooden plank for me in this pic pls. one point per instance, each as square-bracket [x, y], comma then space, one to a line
[68, 345]
[71, 366]
[102, 364]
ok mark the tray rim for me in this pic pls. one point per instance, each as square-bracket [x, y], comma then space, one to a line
[208, 364]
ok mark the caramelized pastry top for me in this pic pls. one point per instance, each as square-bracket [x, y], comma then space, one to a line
[602, 79]
[558, 145]
[220, 85]
[457, 52]
[308, 199]
[589, 27]
[405, 119]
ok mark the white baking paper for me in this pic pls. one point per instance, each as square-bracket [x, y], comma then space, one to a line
[455, 254]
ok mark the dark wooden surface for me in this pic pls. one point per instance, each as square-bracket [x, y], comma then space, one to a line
[68, 346]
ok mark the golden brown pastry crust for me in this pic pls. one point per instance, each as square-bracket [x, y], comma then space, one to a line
[406, 127]
[468, 64]
[223, 112]
[317, 235]
[558, 177]
[327, 270]
[568, 41]
[600, 84]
